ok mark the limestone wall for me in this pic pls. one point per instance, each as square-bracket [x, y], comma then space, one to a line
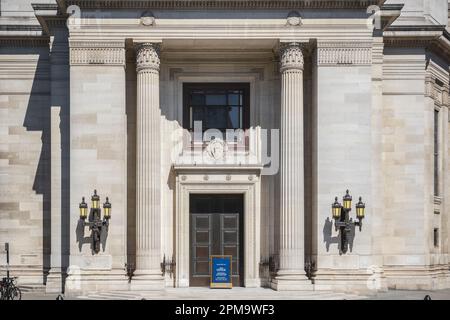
[25, 160]
[410, 212]
[98, 131]
[343, 161]
[369, 128]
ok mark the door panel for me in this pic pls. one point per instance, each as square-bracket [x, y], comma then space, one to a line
[201, 243]
[229, 240]
[216, 229]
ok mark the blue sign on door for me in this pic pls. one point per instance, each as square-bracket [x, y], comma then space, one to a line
[221, 272]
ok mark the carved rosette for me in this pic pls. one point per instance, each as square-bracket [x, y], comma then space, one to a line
[147, 57]
[291, 57]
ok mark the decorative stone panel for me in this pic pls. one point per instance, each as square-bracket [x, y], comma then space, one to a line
[97, 53]
[341, 53]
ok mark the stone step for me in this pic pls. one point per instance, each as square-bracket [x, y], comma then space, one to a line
[202, 294]
[108, 297]
[120, 295]
[32, 288]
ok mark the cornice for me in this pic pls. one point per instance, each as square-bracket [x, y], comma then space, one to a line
[51, 22]
[50, 16]
[433, 38]
[416, 28]
[220, 4]
[20, 28]
[24, 41]
[25, 67]
[390, 13]
[44, 6]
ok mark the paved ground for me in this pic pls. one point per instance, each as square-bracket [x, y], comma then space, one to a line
[412, 295]
[242, 294]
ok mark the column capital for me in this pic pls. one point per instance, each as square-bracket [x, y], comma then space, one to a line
[147, 56]
[291, 56]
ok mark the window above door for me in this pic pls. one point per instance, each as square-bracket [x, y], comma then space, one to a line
[221, 106]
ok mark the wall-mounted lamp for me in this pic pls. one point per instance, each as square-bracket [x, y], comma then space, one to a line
[342, 220]
[95, 222]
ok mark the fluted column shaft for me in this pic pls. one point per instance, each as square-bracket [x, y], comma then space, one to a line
[291, 168]
[148, 208]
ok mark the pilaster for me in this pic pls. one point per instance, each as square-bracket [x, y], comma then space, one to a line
[344, 158]
[59, 130]
[97, 161]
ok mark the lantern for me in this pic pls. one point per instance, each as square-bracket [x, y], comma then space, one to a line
[107, 209]
[83, 209]
[95, 200]
[360, 207]
[336, 209]
[347, 201]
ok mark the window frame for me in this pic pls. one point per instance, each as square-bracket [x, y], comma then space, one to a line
[190, 86]
[436, 152]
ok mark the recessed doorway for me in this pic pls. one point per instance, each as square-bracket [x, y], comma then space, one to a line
[216, 228]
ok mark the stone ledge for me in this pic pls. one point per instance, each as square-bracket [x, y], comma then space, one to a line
[220, 4]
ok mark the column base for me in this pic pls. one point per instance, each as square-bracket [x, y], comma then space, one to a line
[144, 280]
[252, 283]
[358, 281]
[291, 281]
[88, 281]
[54, 282]
[417, 277]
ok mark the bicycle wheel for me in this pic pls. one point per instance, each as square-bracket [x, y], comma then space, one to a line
[3, 292]
[15, 294]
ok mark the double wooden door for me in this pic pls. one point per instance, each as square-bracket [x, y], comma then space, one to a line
[216, 228]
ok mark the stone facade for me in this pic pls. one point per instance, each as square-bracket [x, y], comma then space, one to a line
[350, 89]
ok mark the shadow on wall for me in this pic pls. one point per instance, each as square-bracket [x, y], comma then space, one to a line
[328, 239]
[81, 238]
[103, 236]
[131, 157]
[38, 118]
[86, 237]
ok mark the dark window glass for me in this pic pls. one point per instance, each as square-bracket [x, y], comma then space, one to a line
[219, 106]
[436, 237]
[216, 118]
[215, 99]
[436, 153]
[198, 98]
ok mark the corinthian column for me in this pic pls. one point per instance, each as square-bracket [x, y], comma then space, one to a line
[291, 274]
[148, 208]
